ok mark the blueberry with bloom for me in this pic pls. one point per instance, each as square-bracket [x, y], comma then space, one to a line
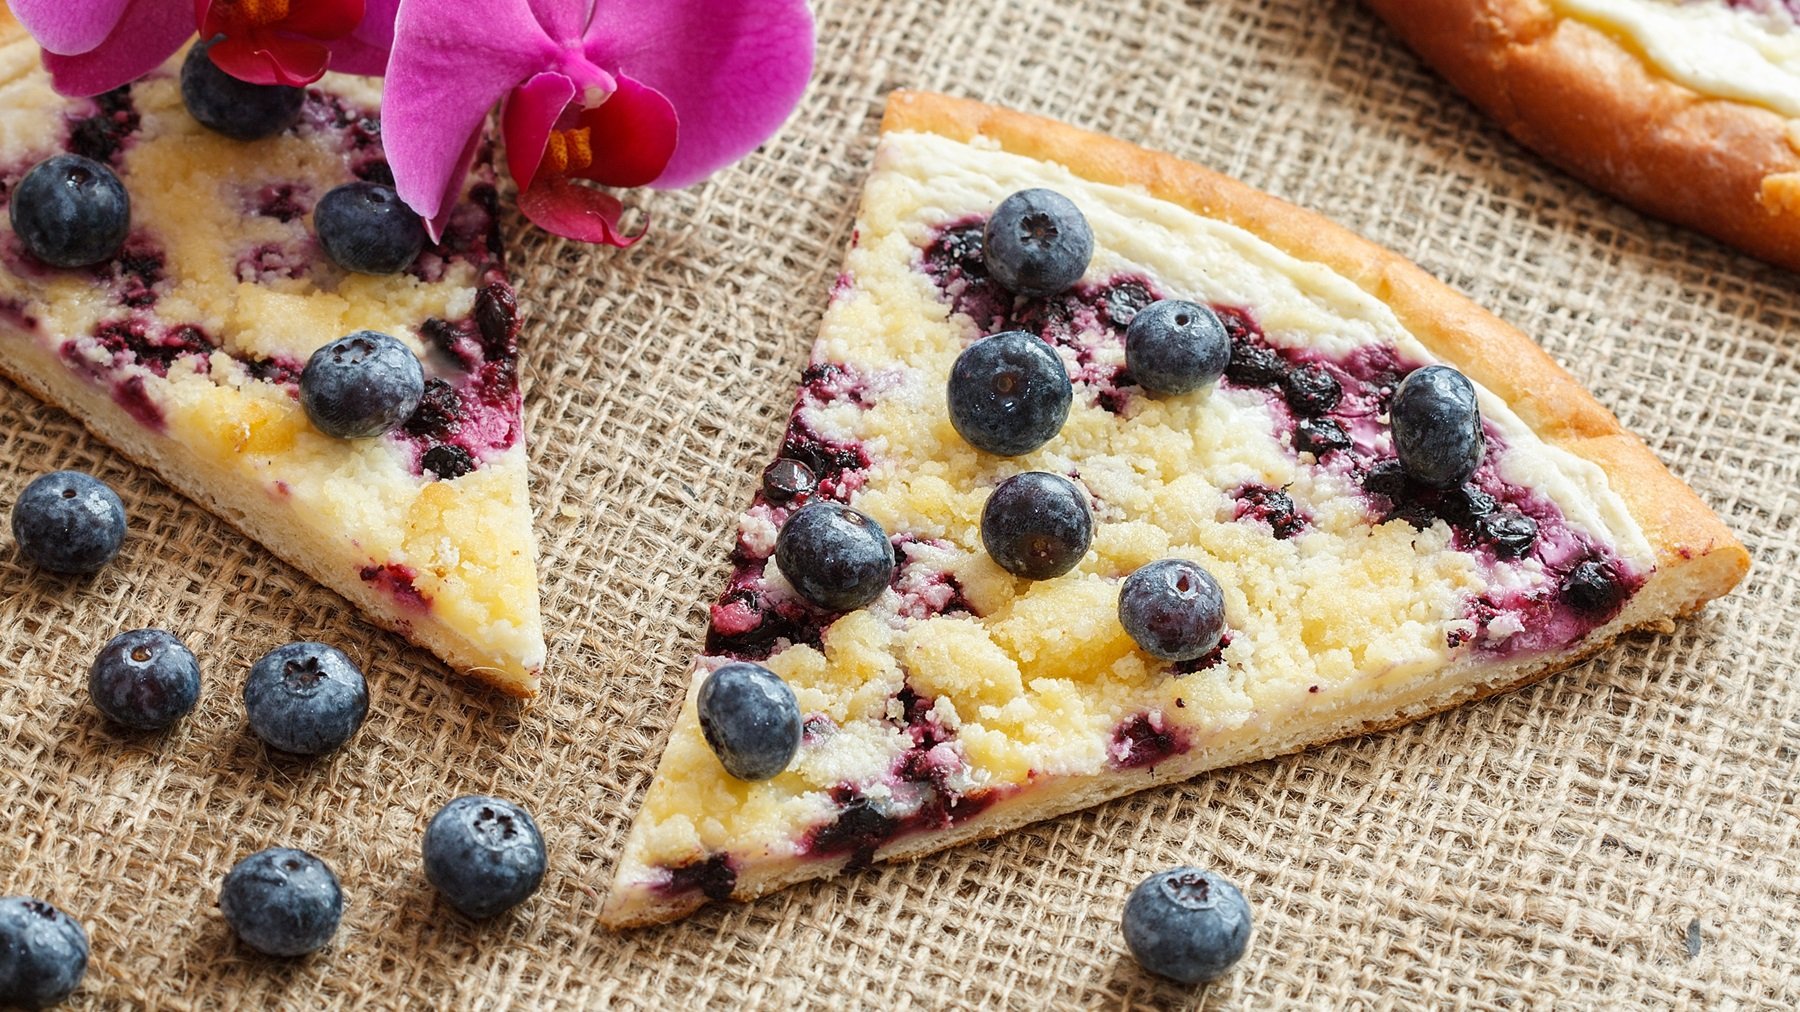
[91, 46]
[621, 93]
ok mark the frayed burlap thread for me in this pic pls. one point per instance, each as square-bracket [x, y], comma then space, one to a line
[1621, 835]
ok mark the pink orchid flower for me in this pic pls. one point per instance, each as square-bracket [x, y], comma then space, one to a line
[622, 93]
[91, 46]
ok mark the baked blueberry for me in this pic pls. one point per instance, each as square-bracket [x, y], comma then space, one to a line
[484, 855]
[1037, 525]
[1312, 390]
[834, 556]
[1174, 346]
[751, 720]
[1187, 924]
[1173, 609]
[69, 522]
[448, 461]
[145, 679]
[238, 109]
[1319, 436]
[1437, 426]
[1037, 243]
[1512, 533]
[282, 902]
[362, 385]
[365, 228]
[305, 698]
[43, 953]
[788, 479]
[1009, 393]
[71, 211]
[1593, 586]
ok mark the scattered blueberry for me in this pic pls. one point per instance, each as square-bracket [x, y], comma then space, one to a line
[364, 227]
[1470, 501]
[1037, 525]
[362, 385]
[69, 522]
[145, 679]
[1319, 436]
[1253, 365]
[751, 720]
[43, 953]
[1173, 609]
[305, 698]
[1009, 393]
[238, 109]
[1037, 243]
[788, 479]
[1387, 479]
[448, 461]
[1312, 390]
[836, 557]
[71, 211]
[1512, 533]
[1593, 586]
[1437, 426]
[484, 855]
[1174, 346]
[282, 902]
[1187, 924]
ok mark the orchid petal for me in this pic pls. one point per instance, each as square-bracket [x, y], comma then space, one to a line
[69, 29]
[733, 69]
[149, 32]
[633, 136]
[563, 20]
[452, 61]
[531, 113]
[366, 50]
[573, 211]
[263, 57]
[322, 19]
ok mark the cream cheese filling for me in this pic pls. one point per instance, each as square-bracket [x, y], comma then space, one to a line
[1747, 53]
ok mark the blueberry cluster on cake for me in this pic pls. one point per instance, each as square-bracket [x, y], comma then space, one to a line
[1106, 471]
[218, 280]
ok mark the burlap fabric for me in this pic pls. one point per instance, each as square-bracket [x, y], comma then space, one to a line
[1624, 834]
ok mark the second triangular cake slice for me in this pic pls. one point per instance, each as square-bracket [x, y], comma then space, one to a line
[965, 700]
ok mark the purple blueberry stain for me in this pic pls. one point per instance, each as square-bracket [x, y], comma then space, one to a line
[1145, 739]
[713, 877]
[1271, 506]
[105, 131]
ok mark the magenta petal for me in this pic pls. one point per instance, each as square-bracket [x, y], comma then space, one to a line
[366, 50]
[452, 61]
[149, 32]
[531, 113]
[266, 58]
[734, 69]
[563, 20]
[578, 212]
[69, 28]
[634, 133]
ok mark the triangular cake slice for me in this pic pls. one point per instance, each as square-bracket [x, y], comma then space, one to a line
[184, 351]
[965, 701]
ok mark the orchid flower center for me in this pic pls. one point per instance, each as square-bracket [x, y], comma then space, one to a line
[256, 13]
[569, 150]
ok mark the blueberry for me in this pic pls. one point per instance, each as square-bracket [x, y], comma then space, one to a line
[1188, 924]
[1172, 347]
[1253, 365]
[362, 385]
[305, 698]
[1437, 426]
[1009, 393]
[364, 227]
[751, 720]
[484, 855]
[1037, 525]
[1512, 533]
[145, 679]
[836, 557]
[788, 479]
[1312, 390]
[448, 461]
[1037, 243]
[69, 522]
[1173, 609]
[71, 211]
[43, 953]
[1319, 436]
[1593, 587]
[282, 902]
[238, 109]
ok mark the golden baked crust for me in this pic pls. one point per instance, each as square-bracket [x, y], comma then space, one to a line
[1575, 95]
[1696, 557]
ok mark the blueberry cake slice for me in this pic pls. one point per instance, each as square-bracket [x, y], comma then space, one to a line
[184, 347]
[1106, 471]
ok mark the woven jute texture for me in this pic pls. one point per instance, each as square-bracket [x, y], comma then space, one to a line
[1621, 835]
